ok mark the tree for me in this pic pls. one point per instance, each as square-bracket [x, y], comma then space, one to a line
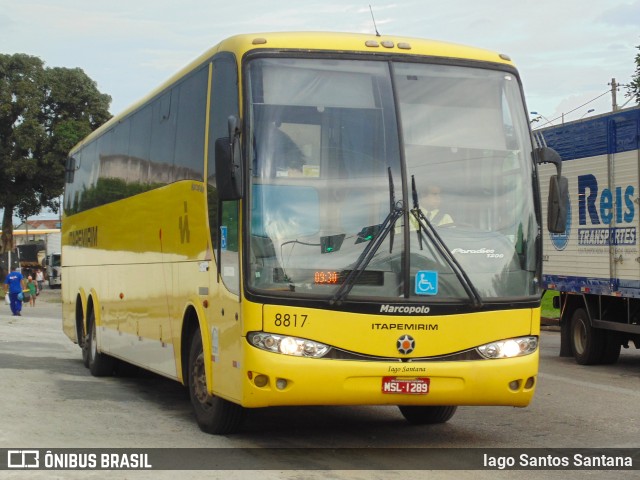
[633, 90]
[44, 112]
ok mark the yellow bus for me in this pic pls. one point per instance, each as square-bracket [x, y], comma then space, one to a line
[258, 229]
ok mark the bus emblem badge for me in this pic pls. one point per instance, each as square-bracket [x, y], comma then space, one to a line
[406, 344]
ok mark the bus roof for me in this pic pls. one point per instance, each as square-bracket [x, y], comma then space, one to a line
[355, 42]
[318, 42]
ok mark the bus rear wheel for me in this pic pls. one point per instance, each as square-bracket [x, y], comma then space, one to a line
[214, 414]
[84, 345]
[100, 364]
[427, 415]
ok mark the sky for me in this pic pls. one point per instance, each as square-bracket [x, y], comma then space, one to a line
[567, 51]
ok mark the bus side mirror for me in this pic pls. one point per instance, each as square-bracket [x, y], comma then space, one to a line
[229, 176]
[558, 201]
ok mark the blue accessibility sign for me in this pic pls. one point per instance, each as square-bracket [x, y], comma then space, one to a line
[223, 238]
[426, 282]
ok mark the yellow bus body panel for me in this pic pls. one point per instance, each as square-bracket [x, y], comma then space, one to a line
[142, 259]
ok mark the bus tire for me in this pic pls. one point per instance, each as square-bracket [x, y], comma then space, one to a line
[100, 364]
[84, 345]
[427, 415]
[587, 343]
[214, 414]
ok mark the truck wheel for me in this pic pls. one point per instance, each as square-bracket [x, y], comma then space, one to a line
[587, 343]
[213, 414]
[100, 364]
[427, 415]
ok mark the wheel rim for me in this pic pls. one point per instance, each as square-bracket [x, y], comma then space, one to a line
[579, 336]
[199, 382]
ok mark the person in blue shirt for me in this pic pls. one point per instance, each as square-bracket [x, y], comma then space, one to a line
[14, 285]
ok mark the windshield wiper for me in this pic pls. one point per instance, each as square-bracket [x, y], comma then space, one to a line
[396, 210]
[424, 225]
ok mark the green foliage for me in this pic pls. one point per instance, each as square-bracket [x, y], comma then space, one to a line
[43, 113]
[633, 90]
[547, 305]
[109, 190]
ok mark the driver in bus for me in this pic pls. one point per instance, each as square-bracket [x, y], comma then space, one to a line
[430, 203]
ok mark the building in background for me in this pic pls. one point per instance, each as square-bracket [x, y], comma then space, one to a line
[43, 235]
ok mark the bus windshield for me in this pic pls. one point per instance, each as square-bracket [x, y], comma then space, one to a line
[338, 147]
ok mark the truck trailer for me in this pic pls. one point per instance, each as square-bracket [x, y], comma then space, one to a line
[30, 257]
[595, 263]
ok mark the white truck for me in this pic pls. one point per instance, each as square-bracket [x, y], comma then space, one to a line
[595, 263]
[54, 270]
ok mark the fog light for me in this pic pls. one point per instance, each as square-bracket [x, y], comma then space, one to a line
[261, 380]
[531, 381]
[515, 385]
[281, 384]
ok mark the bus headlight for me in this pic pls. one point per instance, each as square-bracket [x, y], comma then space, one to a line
[512, 347]
[286, 345]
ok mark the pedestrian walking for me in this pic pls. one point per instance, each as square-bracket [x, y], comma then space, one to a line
[33, 291]
[39, 279]
[14, 285]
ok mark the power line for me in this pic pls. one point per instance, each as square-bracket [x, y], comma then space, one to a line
[577, 108]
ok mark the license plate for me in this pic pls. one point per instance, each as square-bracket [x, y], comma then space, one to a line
[411, 386]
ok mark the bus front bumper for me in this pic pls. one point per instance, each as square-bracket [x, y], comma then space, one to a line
[272, 379]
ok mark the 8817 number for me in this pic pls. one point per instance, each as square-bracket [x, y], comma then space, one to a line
[287, 320]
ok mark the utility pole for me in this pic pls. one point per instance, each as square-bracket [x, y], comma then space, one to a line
[614, 89]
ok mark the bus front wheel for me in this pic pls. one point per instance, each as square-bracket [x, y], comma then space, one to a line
[214, 414]
[427, 415]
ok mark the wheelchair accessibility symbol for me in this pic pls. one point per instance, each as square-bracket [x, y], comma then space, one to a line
[426, 282]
